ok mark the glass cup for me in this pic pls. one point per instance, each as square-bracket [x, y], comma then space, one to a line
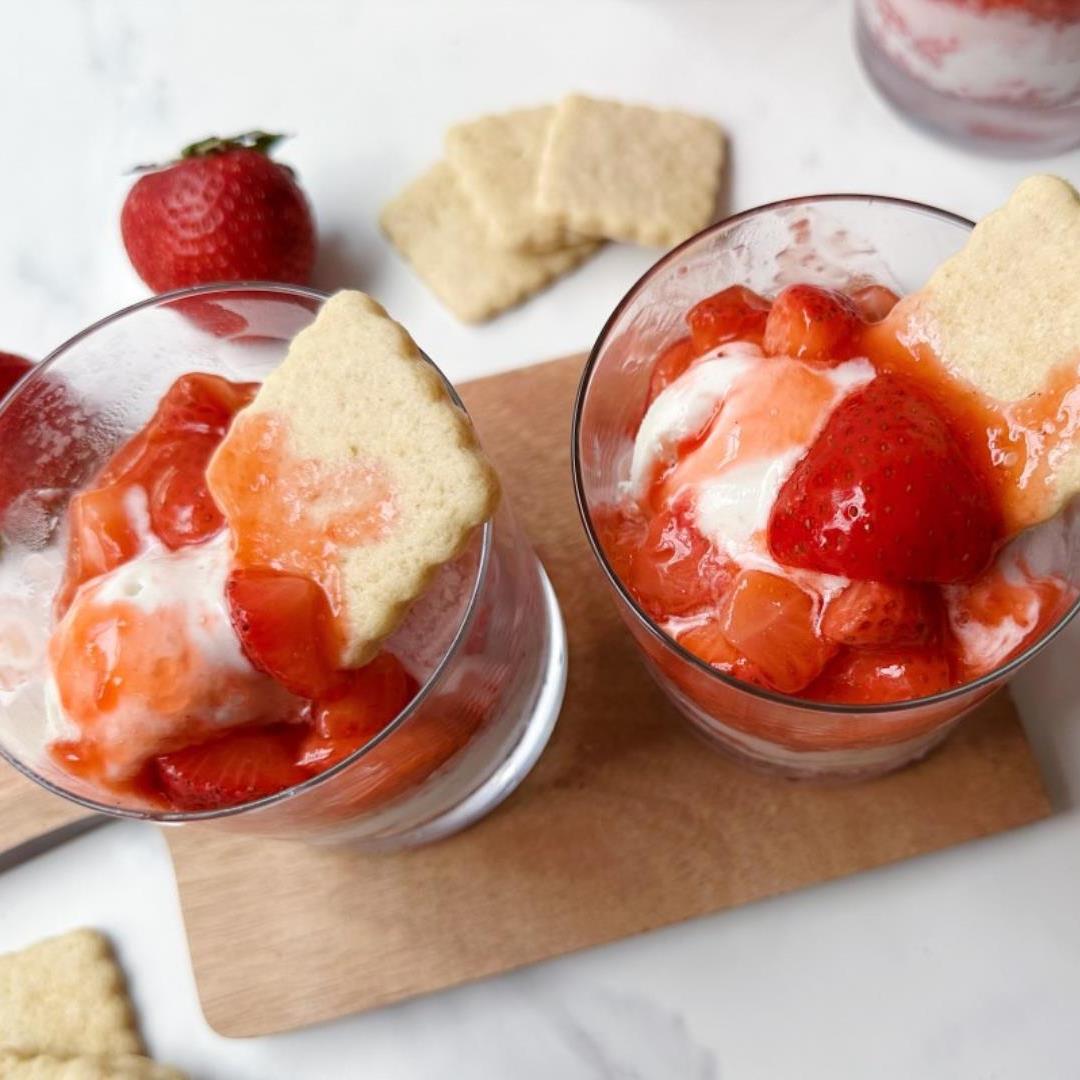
[840, 241]
[486, 640]
[998, 76]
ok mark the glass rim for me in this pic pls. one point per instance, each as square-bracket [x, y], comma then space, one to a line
[467, 618]
[641, 617]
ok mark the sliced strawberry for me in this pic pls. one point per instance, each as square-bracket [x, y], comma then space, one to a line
[366, 700]
[198, 402]
[182, 510]
[874, 302]
[810, 323]
[885, 493]
[408, 756]
[879, 613]
[733, 314]
[673, 361]
[879, 675]
[770, 621]
[622, 531]
[244, 765]
[286, 628]
[101, 539]
[12, 369]
[676, 570]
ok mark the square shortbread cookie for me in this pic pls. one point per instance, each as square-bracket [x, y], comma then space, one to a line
[66, 996]
[496, 160]
[405, 481]
[1004, 312]
[626, 172]
[433, 224]
[15, 1065]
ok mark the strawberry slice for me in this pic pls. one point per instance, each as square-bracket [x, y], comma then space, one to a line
[770, 621]
[733, 314]
[101, 539]
[880, 613]
[874, 302]
[810, 323]
[365, 701]
[676, 570]
[673, 361]
[238, 767]
[878, 675]
[439, 730]
[885, 493]
[12, 369]
[286, 628]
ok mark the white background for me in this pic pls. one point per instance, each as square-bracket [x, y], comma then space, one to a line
[963, 964]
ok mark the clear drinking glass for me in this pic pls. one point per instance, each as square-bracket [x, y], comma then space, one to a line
[486, 640]
[840, 241]
[999, 75]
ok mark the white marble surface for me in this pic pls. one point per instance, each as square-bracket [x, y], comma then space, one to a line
[964, 964]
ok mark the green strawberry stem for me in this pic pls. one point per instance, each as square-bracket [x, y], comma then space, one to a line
[260, 141]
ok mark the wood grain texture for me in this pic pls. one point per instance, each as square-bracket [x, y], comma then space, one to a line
[625, 825]
[29, 812]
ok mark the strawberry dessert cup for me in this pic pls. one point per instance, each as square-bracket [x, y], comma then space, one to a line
[144, 673]
[754, 376]
[1000, 75]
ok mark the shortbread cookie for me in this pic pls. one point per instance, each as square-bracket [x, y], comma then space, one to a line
[496, 160]
[354, 467]
[626, 172]
[433, 224]
[66, 996]
[1004, 313]
[16, 1065]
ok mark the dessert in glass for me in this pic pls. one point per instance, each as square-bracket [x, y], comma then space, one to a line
[1000, 75]
[255, 572]
[828, 544]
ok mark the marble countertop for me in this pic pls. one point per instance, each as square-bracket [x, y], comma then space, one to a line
[961, 964]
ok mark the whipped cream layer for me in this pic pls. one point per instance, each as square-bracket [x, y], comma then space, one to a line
[146, 660]
[753, 419]
[1001, 55]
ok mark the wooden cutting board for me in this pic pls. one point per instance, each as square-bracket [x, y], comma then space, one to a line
[626, 824]
[29, 816]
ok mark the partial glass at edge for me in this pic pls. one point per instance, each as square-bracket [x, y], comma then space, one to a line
[493, 661]
[840, 241]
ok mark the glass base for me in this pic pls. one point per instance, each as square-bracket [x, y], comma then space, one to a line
[998, 128]
[833, 766]
[521, 758]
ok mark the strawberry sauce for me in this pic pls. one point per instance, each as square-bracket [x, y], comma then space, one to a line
[188, 674]
[817, 507]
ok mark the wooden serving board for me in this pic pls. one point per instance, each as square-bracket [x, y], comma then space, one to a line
[30, 816]
[626, 824]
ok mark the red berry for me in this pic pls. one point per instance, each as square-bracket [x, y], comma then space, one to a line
[770, 621]
[810, 323]
[874, 302]
[286, 628]
[672, 362]
[224, 212]
[365, 701]
[248, 764]
[12, 369]
[878, 675]
[879, 613]
[733, 314]
[886, 494]
[676, 570]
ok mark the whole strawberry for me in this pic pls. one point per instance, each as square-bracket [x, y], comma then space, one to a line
[224, 212]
